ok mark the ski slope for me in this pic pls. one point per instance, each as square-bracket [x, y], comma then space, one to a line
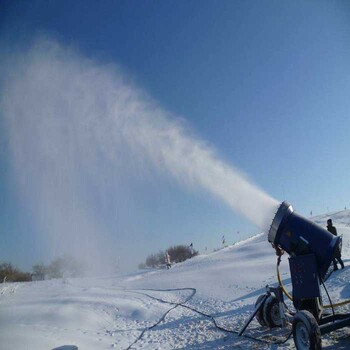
[162, 309]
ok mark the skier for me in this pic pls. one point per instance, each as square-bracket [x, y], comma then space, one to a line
[191, 248]
[332, 229]
[167, 260]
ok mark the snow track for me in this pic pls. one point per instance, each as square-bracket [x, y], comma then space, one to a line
[8, 288]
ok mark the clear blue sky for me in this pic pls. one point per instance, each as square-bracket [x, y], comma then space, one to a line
[267, 83]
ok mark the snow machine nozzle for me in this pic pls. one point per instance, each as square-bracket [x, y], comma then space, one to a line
[299, 236]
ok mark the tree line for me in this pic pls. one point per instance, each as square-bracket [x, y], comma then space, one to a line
[10, 273]
[178, 253]
[61, 267]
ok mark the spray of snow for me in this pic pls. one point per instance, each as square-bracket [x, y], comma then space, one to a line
[74, 124]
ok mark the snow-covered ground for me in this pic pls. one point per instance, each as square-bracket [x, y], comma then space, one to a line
[162, 309]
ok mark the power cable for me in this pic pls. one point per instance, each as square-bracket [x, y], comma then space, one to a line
[182, 304]
[164, 315]
[329, 298]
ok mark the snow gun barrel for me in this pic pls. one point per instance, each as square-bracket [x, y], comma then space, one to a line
[299, 236]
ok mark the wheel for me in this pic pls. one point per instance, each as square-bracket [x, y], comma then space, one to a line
[306, 332]
[271, 312]
[260, 315]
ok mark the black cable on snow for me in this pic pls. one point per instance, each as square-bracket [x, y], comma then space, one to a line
[194, 291]
[329, 298]
[182, 304]
[237, 331]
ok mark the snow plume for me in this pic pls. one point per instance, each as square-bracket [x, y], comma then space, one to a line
[75, 125]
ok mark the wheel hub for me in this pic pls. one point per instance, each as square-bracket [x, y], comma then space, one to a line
[302, 337]
[275, 314]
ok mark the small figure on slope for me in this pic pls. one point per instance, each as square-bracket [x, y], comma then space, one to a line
[167, 260]
[332, 229]
[223, 240]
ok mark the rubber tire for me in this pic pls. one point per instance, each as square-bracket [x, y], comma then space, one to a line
[260, 315]
[313, 330]
[269, 308]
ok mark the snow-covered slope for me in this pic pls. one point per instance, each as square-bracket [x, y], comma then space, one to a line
[113, 312]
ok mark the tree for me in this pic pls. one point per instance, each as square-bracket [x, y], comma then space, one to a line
[151, 261]
[181, 253]
[177, 254]
[65, 266]
[142, 266]
[40, 269]
[12, 274]
[55, 269]
[7, 270]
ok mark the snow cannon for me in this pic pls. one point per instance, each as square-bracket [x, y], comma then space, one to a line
[299, 236]
[311, 250]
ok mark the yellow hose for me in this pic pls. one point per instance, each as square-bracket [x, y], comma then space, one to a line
[281, 284]
[341, 303]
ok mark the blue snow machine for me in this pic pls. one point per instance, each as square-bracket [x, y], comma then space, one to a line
[311, 250]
